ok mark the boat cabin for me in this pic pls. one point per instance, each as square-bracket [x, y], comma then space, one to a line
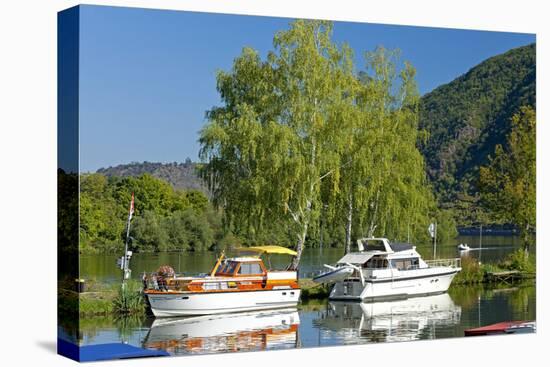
[381, 254]
[241, 267]
[376, 262]
[241, 283]
[381, 269]
[228, 274]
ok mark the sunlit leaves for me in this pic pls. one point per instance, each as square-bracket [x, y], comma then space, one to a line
[508, 183]
[299, 134]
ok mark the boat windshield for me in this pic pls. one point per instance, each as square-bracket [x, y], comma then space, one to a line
[250, 269]
[227, 268]
[376, 263]
[374, 245]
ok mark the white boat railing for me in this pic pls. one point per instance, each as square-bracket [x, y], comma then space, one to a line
[453, 263]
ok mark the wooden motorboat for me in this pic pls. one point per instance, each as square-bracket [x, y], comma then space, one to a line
[234, 284]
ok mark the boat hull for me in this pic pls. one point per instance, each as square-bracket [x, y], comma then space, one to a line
[207, 303]
[415, 283]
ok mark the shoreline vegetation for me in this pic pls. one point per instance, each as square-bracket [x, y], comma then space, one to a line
[103, 299]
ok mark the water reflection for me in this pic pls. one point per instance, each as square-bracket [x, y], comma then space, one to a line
[315, 323]
[403, 320]
[277, 329]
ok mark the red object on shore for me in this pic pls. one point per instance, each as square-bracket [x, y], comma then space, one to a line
[507, 327]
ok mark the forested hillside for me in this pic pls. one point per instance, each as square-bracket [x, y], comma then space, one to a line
[467, 118]
[180, 175]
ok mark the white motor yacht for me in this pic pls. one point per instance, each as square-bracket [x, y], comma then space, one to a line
[384, 270]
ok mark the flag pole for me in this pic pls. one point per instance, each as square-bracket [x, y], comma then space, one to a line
[125, 257]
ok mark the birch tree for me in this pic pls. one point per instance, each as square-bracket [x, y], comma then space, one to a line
[385, 184]
[278, 134]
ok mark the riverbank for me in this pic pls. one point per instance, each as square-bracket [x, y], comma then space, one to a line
[516, 267]
[105, 300]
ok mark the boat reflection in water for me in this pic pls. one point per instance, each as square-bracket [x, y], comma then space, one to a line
[245, 331]
[404, 320]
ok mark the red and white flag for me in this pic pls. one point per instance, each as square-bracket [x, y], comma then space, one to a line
[131, 208]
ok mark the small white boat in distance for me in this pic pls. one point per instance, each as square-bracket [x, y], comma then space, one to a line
[384, 270]
[463, 247]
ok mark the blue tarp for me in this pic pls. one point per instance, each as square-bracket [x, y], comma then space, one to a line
[101, 352]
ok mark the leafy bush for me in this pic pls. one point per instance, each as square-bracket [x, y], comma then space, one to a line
[519, 260]
[129, 299]
[471, 272]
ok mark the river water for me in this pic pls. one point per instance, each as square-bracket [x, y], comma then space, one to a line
[102, 268]
[317, 324]
[314, 323]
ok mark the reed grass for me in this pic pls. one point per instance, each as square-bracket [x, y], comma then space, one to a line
[129, 299]
[472, 272]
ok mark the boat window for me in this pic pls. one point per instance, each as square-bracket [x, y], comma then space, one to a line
[376, 263]
[374, 245]
[214, 286]
[250, 268]
[405, 264]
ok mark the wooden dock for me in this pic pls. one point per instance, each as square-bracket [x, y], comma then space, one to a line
[508, 276]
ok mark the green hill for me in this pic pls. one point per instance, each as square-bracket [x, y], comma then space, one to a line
[180, 175]
[467, 117]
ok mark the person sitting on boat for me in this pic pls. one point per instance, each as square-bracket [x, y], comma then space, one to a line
[144, 281]
[164, 272]
[161, 281]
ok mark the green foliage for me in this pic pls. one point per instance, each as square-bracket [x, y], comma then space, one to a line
[189, 231]
[446, 225]
[148, 233]
[384, 186]
[129, 299]
[301, 141]
[164, 220]
[101, 223]
[472, 272]
[508, 182]
[518, 260]
[464, 121]
[312, 290]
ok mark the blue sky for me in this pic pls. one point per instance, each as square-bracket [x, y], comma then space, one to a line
[148, 76]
